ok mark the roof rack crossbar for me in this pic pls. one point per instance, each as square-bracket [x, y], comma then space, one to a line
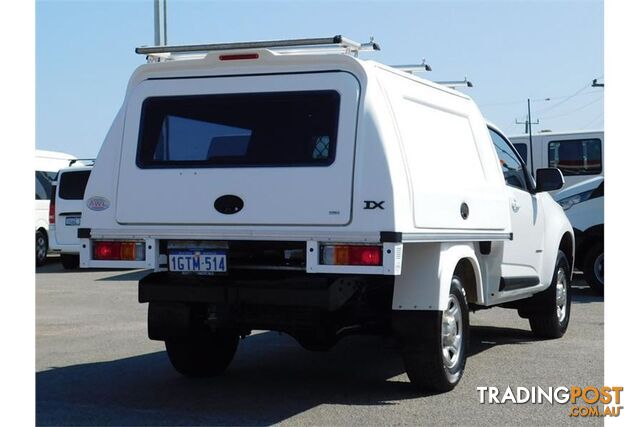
[453, 84]
[413, 68]
[335, 41]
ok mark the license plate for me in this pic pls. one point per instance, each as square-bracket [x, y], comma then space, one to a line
[198, 261]
[72, 220]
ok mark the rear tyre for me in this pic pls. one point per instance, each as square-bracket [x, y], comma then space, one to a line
[594, 268]
[434, 343]
[42, 247]
[204, 353]
[551, 319]
[69, 261]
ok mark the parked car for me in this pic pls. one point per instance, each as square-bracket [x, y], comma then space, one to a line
[66, 208]
[584, 205]
[47, 165]
[271, 186]
[578, 154]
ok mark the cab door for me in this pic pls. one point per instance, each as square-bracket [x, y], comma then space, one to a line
[523, 254]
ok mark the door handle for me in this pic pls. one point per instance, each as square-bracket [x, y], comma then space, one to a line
[515, 206]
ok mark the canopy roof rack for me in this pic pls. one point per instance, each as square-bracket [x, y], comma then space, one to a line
[453, 84]
[332, 44]
[414, 68]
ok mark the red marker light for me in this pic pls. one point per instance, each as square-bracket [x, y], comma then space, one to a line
[106, 250]
[238, 56]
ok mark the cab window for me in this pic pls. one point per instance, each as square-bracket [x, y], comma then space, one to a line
[512, 168]
[522, 149]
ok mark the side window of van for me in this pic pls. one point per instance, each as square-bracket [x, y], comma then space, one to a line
[514, 172]
[43, 184]
[577, 156]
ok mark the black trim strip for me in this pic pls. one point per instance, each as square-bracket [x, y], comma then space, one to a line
[512, 283]
[69, 213]
[399, 237]
[84, 233]
[390, 237]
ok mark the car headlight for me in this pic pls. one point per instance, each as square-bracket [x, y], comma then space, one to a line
[568, 202]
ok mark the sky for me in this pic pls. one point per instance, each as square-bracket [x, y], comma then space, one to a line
[548, 51]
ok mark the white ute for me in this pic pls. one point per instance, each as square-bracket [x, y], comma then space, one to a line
[292, 186]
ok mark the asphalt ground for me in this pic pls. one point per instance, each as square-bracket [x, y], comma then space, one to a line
[96, 366]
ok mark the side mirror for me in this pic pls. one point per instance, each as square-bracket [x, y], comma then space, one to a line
[549, 179]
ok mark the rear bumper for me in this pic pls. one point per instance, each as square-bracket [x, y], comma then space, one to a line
[323, 306]
[327, 292]
[65, 249]
[61, 247]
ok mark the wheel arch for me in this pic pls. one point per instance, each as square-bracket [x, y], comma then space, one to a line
[567, 247]
[461, 260]
[44, 232]
[558, 235]
[427, 270]
[469, 272]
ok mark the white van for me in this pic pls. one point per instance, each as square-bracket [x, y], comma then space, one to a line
[292, 186]
[47, 165]
[578, 154]
[66, 208]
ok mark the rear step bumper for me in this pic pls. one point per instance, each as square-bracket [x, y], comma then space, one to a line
[318, 309]
[327, 292]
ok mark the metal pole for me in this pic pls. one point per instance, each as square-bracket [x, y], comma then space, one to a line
[164, 22]
[529, 126]
[160, 22]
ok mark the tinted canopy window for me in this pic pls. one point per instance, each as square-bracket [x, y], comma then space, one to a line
[576, 157]
[72, 185]
[257, 129]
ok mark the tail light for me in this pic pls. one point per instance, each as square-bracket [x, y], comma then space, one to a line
[118, 251]
[351, 255]
[52, 206]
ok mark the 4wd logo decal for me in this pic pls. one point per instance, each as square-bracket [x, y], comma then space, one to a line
[370, 204]
[98, 203]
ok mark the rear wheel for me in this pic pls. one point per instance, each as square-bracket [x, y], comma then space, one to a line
[594, 268]
[434, 343]
[204, 353]
[42, 246]
[551, 319]
[70, 261]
